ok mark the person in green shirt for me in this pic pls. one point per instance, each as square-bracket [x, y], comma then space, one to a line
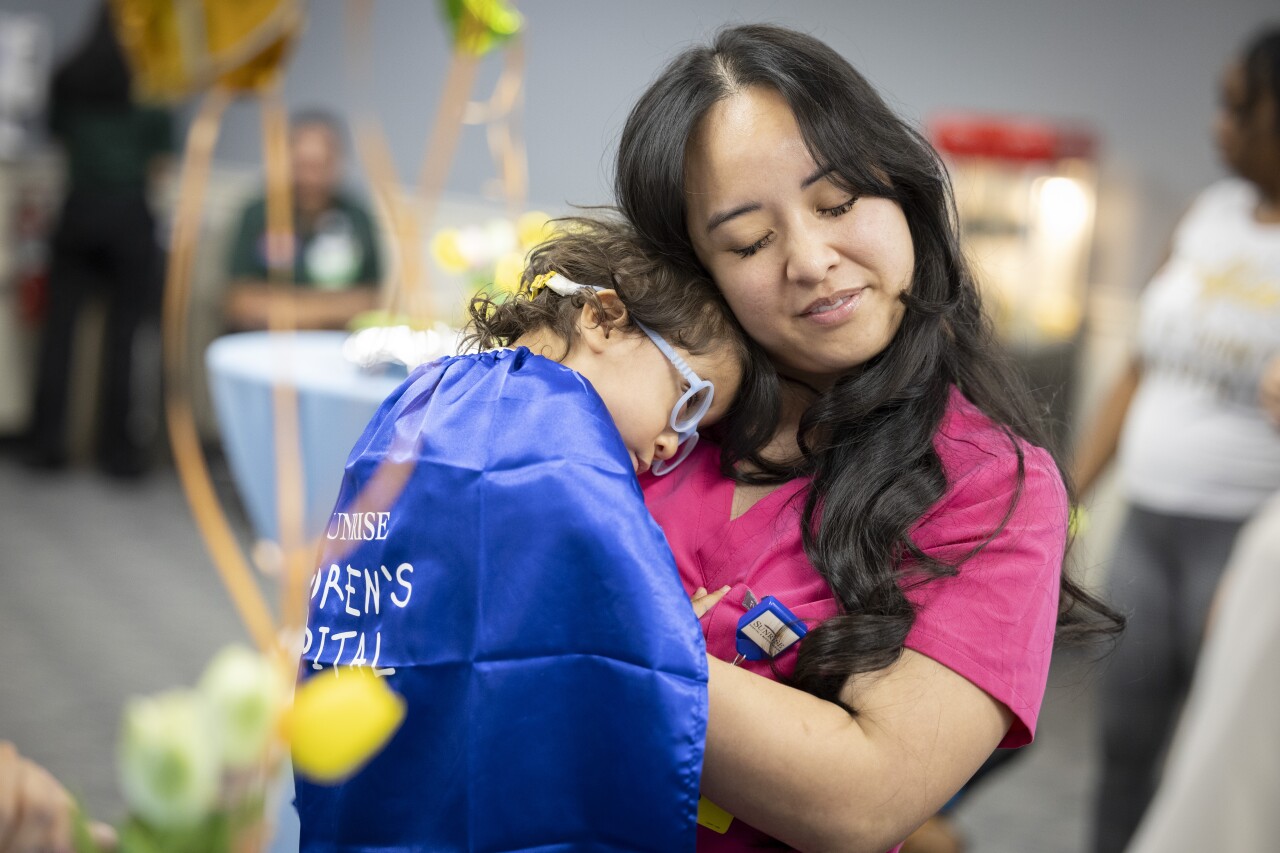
[336, 266]
[104, 245]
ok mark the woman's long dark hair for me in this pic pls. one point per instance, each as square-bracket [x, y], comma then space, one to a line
[868, 442]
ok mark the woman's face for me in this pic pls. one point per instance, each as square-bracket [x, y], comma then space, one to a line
[812, 273]
[1247, 134]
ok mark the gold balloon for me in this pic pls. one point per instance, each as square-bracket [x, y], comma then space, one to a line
[179, 47]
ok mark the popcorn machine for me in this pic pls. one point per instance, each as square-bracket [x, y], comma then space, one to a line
[1026, 196]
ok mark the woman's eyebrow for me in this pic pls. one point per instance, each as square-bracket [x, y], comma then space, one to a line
[724, 216]
[818, 175]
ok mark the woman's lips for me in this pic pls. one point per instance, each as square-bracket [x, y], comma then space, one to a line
[834, 308]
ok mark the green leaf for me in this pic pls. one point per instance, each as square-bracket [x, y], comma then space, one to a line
[137, 837]
[81, 838]
[478, 26]
[211, 835]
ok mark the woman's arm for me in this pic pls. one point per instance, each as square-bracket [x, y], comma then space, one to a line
[1100, 440]
[971, 676]
[804, 771]
[249, 305]
[1269, 390]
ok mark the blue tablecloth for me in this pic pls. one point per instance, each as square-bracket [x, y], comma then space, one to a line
[335, 401]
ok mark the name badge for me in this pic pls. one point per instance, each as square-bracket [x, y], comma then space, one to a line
[767, 630]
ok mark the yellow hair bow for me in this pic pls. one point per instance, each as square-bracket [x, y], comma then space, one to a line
[539, 283]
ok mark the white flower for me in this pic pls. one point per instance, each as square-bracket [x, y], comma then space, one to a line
[168, 767]
[243, 696]
[501, 237]
[473, 247]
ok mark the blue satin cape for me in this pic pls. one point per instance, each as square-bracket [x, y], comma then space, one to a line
[533, 616]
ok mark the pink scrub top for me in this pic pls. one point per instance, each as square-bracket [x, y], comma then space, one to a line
[992, 623]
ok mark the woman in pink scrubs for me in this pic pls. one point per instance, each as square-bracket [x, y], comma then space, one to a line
[882, 472]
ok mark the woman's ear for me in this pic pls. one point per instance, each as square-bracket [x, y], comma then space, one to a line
[594, 327]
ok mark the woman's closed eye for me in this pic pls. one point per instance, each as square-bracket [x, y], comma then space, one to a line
[840, 209]
[830, 212]
[748, 251]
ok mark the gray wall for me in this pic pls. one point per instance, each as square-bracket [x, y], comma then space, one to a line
[1142, 74]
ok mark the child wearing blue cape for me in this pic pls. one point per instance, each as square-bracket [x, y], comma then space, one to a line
[492, 557]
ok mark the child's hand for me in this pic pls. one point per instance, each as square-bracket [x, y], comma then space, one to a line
[704, 601]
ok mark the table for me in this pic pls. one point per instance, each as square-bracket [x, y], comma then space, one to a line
[336, 399]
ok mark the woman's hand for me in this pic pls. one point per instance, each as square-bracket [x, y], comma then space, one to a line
[703, 601]
[1269, 391]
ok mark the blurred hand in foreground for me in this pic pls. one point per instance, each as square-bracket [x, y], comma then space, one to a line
[37, 813]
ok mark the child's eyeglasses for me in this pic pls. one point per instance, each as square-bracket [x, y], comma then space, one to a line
[693, 403]
[688, 410]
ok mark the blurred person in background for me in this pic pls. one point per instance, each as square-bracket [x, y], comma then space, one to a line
[1221, 781]
[1197, 454]
[104, 243]
[336, 266]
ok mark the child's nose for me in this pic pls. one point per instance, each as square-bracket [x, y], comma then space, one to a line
[666, 445]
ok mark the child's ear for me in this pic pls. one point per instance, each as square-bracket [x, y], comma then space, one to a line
[595, 328]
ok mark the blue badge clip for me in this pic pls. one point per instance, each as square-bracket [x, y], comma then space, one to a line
[767, 630]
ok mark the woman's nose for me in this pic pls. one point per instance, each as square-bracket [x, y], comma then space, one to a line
[810, 256]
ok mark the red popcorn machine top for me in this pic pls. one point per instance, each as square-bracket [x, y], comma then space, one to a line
[1026, 194]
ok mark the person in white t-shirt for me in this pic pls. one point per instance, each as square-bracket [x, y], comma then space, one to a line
[1197, 455]
[1221, 782]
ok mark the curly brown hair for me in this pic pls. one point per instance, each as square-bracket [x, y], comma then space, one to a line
[684, 308]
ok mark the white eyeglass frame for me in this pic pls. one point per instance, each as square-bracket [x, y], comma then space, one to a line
[686, 430]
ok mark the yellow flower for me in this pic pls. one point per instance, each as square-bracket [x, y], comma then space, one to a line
[169, 770]
[243, 694]
[340, 719]
[506, 273]
[533, 227]
[447, 252]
